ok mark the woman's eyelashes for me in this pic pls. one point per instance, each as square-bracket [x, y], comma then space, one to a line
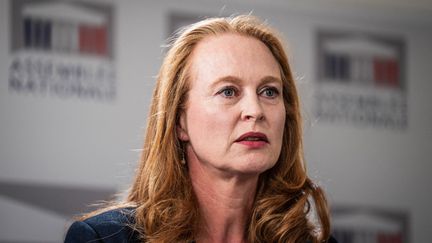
[269, 92]
[230, 92]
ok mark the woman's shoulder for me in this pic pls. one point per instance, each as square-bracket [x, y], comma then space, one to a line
[109, 226]
[117, 216]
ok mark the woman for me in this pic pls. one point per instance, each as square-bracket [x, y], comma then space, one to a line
[222, 158]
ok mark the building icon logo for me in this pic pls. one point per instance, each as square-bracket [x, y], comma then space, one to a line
[362, 61]
[361, 79]
[62, 48]
[356, 224]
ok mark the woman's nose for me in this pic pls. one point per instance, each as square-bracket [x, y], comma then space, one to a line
[252, 109]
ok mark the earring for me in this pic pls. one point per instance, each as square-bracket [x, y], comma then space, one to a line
[182, 160]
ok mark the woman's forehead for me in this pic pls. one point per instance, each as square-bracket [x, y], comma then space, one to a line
[232, 55]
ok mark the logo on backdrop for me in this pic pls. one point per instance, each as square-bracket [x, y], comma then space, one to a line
[63, 49]
[356, 223]
[361, 80]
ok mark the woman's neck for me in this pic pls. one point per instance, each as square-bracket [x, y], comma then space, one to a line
[225, 203]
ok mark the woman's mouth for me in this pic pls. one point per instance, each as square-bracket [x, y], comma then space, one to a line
[253, 139]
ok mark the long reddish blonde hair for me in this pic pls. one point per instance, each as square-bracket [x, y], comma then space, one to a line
[166, 207]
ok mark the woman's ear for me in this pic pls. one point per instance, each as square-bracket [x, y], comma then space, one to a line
[182, 128]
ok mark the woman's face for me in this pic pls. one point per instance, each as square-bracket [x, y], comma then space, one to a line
[234, 117]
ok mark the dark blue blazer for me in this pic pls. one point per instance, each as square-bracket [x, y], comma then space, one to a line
[109, 227]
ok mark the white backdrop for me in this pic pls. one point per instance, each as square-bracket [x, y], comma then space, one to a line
[78, 143]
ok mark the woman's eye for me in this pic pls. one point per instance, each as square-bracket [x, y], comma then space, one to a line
[228, 92]
[270, 92]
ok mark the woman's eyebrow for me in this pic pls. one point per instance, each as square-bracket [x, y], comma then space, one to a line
[229, 78]
[238, 81]
[271, 79]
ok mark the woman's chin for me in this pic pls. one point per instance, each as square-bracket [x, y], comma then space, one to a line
[253, 167]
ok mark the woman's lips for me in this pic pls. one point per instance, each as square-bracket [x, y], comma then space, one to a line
[253, 139]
